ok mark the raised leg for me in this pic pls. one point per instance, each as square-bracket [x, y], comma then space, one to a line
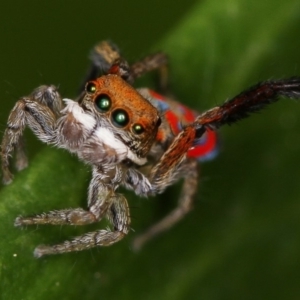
[102, 56]
[252, 100]
[164, 173]
[157, 61]
[185, 204]
[106, 59]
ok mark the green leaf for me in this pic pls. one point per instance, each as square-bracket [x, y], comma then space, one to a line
[242, 239]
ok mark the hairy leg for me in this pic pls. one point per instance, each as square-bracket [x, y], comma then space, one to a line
[118, 214]
[38, 111]
[184, 206]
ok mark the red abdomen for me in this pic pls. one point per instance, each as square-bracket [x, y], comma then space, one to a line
[178, 115]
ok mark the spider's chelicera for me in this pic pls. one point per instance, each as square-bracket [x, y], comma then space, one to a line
[131, 137]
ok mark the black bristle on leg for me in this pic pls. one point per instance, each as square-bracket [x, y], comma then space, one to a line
[252, 100]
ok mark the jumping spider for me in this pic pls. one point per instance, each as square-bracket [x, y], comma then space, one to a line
[131, 137]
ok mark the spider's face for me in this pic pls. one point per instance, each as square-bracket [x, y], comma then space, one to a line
[123, 111]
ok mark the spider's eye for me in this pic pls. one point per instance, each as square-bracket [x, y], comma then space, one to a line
[138, 128]
[91, 88]
[120, 118]
[103, 102]
[158, 123]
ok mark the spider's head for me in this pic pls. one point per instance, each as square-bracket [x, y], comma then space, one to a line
[132, 119]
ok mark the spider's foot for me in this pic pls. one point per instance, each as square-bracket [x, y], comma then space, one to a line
[42, 250]
[7, 177]
[21, 221]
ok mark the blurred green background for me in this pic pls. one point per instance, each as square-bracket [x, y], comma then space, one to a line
[242, 239]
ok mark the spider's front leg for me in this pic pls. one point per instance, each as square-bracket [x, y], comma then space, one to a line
[252, 100]
[39, 111]
[102, 201]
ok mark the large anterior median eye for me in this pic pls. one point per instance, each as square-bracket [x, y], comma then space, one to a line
[120, 118]
[103, 102]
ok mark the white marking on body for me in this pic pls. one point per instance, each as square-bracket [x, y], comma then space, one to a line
[137, 160]
[85, 119]
[107, 137]
[104, 135]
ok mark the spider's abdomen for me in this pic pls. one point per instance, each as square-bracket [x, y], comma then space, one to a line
[177, 115]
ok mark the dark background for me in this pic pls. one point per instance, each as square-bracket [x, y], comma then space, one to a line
[242, 239]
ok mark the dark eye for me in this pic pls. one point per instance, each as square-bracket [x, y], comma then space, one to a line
[138, 128]
[158, 123]
[103, 102]
[120, 118]
[91, 87]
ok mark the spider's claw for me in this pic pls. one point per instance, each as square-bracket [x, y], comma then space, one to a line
[8, 177]
[42, 250]
[19, 221]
